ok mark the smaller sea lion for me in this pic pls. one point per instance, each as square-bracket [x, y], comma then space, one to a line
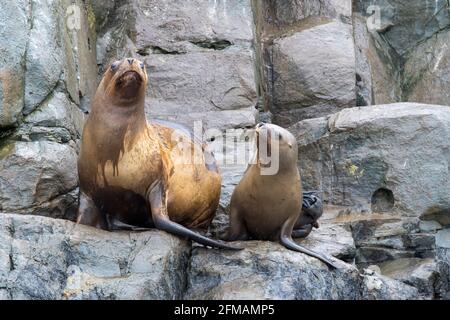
[268, 206]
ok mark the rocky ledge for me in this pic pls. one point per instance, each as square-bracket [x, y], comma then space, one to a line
[46, 258]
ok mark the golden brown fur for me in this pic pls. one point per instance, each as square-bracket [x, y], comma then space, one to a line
[268, 207]
[138, 173]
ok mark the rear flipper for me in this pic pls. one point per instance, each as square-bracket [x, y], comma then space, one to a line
[286, 240]
[117, 225]
[156, 197]
[302, 232]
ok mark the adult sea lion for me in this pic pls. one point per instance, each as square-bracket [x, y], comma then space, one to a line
[269, 206]
[144, 175]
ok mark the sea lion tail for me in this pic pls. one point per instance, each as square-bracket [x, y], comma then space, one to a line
[287, 241]
[179, 230]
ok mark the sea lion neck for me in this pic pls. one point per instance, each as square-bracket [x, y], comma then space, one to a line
[106, 107]
[111, 121]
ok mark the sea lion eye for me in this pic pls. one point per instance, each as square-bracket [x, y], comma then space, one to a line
[114, 66]
[142, 66]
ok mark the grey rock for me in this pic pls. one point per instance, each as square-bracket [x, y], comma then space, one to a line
[376, 287]
[366, 255]
[404, 57]
[407, 23]
[43, 258]
[353, 164]
[443, 245]
[426, 72]
[301, 78]
[114, 28]
[175, 26]
[103, 11]
[283, 14]
[419, 273]
[43, 67]
[12, 52]
[443, 261]
[213, 121]
[200, 82]
[79, 44]
[383, 231]
[51, 173]
[332, 239]
[233, 151]
[57, 119]
[265, 270]
[378, 76]
[429, 226]
[34, 72]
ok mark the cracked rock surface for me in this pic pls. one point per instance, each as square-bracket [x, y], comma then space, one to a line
[44, 258]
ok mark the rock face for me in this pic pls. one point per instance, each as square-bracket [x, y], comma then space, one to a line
[404, 24]
[295, 38]
[422, 274]
[427, 71]
[305, 87]
[379, 158]
[47, 73]
[198, 54]
[45, 184]
[376, 161]
[200, 82]
[269, 271]
[403, 45]
[11, 64]
[378, 76]
[42, 258]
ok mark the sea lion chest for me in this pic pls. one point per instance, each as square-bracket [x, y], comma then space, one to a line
[266, 202]
[118, 175]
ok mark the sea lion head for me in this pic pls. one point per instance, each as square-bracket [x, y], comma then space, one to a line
[125, 81]
[312, 210]
[275, 143]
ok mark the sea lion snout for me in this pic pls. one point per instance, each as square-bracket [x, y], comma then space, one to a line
[127, 80]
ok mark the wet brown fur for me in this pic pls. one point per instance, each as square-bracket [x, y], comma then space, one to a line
[269, 207]
[122, 156]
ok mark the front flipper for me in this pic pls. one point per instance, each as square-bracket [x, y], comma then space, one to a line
[156, 197]
[237, 230]
[286, 240]
[89, 214]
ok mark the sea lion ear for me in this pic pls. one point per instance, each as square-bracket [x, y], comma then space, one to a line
[115, 66]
